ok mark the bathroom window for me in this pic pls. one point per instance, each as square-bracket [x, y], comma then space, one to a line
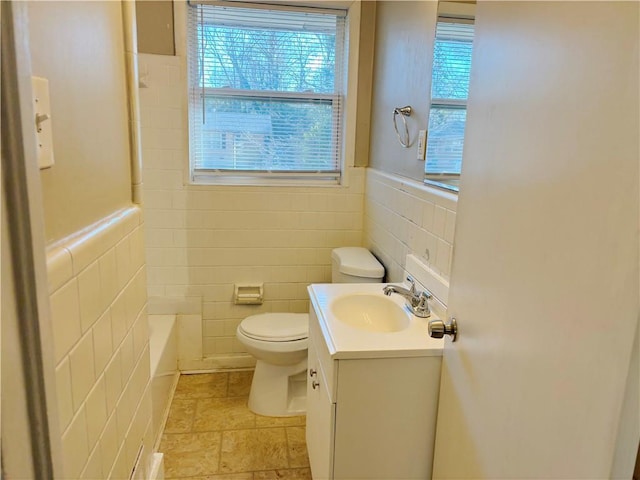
[266, 93]
[449, 92]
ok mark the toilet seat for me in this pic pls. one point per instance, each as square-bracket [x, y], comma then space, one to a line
[276, 327]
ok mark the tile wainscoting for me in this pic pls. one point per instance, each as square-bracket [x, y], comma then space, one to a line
[403, 216]
[97, 288]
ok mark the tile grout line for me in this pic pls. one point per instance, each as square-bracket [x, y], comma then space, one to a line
[220, 455]
[237, 429]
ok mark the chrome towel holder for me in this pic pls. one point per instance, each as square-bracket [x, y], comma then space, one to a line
[404, 112]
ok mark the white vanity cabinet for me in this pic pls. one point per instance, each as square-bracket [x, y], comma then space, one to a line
[370, 415]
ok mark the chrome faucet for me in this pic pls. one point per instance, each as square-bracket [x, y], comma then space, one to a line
[416, 301]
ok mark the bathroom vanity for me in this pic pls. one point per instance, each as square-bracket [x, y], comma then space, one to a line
[373, 385]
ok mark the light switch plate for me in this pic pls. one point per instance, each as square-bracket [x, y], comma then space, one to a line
[42, 122]
[422, 145]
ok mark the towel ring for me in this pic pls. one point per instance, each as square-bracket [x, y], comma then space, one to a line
[404, 112]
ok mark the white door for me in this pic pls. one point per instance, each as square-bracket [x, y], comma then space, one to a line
[544, 279]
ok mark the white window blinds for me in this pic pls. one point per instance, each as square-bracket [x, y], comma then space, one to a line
[266, 91]
[449, 92]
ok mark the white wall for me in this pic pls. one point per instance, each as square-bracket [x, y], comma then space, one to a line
[203, 239]
[79, 47]
[401, 76]
[402, 215]
[200, 240]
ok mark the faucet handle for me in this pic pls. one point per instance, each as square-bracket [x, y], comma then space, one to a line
[421, 305]
[412, 290]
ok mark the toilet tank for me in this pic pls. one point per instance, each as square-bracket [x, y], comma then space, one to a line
[355, 265]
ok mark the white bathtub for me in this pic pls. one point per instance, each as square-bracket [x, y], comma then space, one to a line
[163, 350]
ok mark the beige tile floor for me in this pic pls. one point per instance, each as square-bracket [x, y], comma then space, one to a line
[212, 435]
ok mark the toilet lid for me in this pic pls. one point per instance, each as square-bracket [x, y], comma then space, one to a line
[276, 327]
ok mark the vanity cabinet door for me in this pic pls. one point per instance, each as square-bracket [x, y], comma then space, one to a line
[321, 414]
[385, 418]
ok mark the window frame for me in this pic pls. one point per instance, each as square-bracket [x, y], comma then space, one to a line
[448, 12]
[337, 99]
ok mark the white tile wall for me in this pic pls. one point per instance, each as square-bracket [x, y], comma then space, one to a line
[98, 303]
[65, 318]
[82, 370]
[403, 216]
[200, 240]
[90, 295]
[75, 445]
[96, 406]
[64, 395]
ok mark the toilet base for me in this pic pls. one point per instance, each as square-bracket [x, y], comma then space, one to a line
[279, 391]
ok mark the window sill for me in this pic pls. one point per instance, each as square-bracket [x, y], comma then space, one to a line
[448, 184]
[266, 181]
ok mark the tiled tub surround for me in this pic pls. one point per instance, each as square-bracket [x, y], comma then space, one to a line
[200, 240]
[211, 434]
[403, 216]
[97, 286]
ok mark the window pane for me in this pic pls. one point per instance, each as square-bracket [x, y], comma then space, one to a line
[452, 61]
[451, 70]
[255, 50]
[445, 140]
[274, 135]
[449, 92]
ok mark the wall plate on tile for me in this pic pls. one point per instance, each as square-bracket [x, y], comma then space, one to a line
[248, 294]
[42, 121]
[422, 145]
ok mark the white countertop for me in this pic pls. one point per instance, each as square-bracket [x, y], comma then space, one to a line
[345, 341]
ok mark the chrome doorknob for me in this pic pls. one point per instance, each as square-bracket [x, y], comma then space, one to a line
[438, 329]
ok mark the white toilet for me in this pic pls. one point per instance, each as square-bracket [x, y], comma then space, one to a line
[279, 341]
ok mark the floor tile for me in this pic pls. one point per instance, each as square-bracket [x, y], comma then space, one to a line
[289, 474]
[297, 444]
[188, 464]
[212, 435]
[189, 442]
[181, 415]
[204, 385]
[240, 383]
[252, 450]
[221, 476]
[223, 414]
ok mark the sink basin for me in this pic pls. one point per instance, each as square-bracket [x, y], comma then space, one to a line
[372, 313]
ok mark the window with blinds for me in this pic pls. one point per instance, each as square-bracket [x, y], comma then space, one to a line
[449, 92]
[266, 92]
